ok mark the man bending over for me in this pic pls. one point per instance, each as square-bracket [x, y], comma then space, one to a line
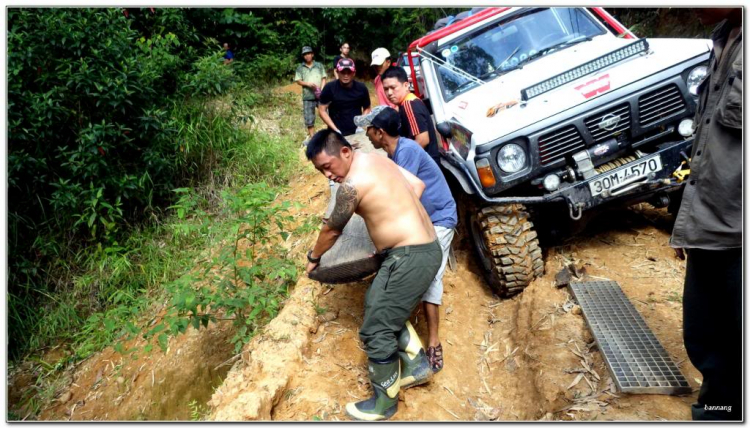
[387, 198]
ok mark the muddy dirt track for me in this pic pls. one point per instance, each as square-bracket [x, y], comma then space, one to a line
[505, 359]
[515, 359]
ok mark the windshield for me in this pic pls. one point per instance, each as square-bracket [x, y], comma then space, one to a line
[510, 44]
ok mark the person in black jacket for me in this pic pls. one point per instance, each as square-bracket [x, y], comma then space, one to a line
[709, 226]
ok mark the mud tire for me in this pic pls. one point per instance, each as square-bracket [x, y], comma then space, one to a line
[507, 247]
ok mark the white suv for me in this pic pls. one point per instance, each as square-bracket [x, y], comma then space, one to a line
[550, 110]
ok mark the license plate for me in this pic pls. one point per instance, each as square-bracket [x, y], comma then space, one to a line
[613, 180]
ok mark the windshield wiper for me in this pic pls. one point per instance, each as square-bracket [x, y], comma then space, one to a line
[557, 46]
[463, 85]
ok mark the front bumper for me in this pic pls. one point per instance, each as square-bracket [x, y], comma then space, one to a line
[578, 195]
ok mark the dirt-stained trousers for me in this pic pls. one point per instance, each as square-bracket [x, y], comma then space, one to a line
[403, 278]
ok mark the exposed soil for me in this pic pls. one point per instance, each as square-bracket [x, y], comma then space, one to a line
[507, 359]
[511, 359]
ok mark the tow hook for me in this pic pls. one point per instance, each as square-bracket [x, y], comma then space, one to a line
[576, 210]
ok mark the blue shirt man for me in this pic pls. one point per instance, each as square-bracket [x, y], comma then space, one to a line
[382, 125]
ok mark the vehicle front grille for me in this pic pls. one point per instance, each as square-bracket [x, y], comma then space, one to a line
[660, 104]
[557, 144]
[609, 123]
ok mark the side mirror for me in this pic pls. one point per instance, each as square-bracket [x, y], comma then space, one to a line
[444, 128]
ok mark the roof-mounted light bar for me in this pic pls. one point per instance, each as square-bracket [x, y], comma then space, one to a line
[590, 67]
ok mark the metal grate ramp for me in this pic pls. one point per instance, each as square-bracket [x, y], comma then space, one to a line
[635, 358]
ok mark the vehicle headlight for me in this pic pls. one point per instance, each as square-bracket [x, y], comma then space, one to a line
[695, 78]
[511, 158]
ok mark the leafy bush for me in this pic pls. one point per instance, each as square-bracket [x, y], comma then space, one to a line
[209, 77]
[248, 278]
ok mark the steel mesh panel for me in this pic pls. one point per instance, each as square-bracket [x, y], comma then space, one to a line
[636, 360]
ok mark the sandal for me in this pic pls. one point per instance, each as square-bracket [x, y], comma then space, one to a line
[435, 355]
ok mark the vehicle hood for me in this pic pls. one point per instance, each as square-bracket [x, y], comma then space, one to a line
[471, 107]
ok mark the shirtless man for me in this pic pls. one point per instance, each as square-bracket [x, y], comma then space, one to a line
[387, 198]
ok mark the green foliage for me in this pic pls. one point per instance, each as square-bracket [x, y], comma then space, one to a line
[245, 281]
[198, 412]
[209, 77]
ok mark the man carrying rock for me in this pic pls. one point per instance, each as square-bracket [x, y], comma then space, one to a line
[382, 126]
[387, 198]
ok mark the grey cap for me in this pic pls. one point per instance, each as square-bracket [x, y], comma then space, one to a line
[306, 49]
[365, 120]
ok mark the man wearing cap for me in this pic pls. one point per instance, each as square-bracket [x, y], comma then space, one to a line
[416, 123]
[311, 75]
[342, 99]
[382, 126]
[382, 59]
[387, 198]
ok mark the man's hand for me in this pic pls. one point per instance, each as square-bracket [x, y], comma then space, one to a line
[311, 267]
[679, 253]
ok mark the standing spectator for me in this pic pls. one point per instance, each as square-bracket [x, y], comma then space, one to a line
[344, 49]
[344, 98]
[382, 126]
[311, 75]
[416, 123]
[382, 59]
[228, 55]
[709, 226]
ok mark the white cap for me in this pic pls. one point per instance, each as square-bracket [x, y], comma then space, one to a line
[379, 55]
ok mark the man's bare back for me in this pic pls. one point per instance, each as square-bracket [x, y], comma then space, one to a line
[385, 199]
[382, 193]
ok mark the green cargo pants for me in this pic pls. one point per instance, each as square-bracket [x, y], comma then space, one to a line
[403, 278]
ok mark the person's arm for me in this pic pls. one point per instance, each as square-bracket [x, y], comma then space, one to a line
[419, 121]
[307, 84]
[323, 112]
[423, 139]
[346, 203]
[416, 184]
[326, 98]
[366, 101]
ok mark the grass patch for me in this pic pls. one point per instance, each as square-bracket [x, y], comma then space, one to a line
[106, 292]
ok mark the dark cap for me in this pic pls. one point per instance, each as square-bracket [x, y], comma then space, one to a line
[382, 117]
[306, 49]
[345, 63]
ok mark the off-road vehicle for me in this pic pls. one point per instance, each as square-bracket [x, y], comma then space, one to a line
[547, 110]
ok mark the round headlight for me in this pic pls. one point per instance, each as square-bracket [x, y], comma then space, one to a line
[695, 78]
[686, 127]
[511, 158]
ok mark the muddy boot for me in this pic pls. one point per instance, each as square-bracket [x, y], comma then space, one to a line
[385, 382]
[415, 366]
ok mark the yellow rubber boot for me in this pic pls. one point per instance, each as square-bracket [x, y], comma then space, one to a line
[415, 366]
[385, 382]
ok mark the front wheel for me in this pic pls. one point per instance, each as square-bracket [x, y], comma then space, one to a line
[507, 246]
